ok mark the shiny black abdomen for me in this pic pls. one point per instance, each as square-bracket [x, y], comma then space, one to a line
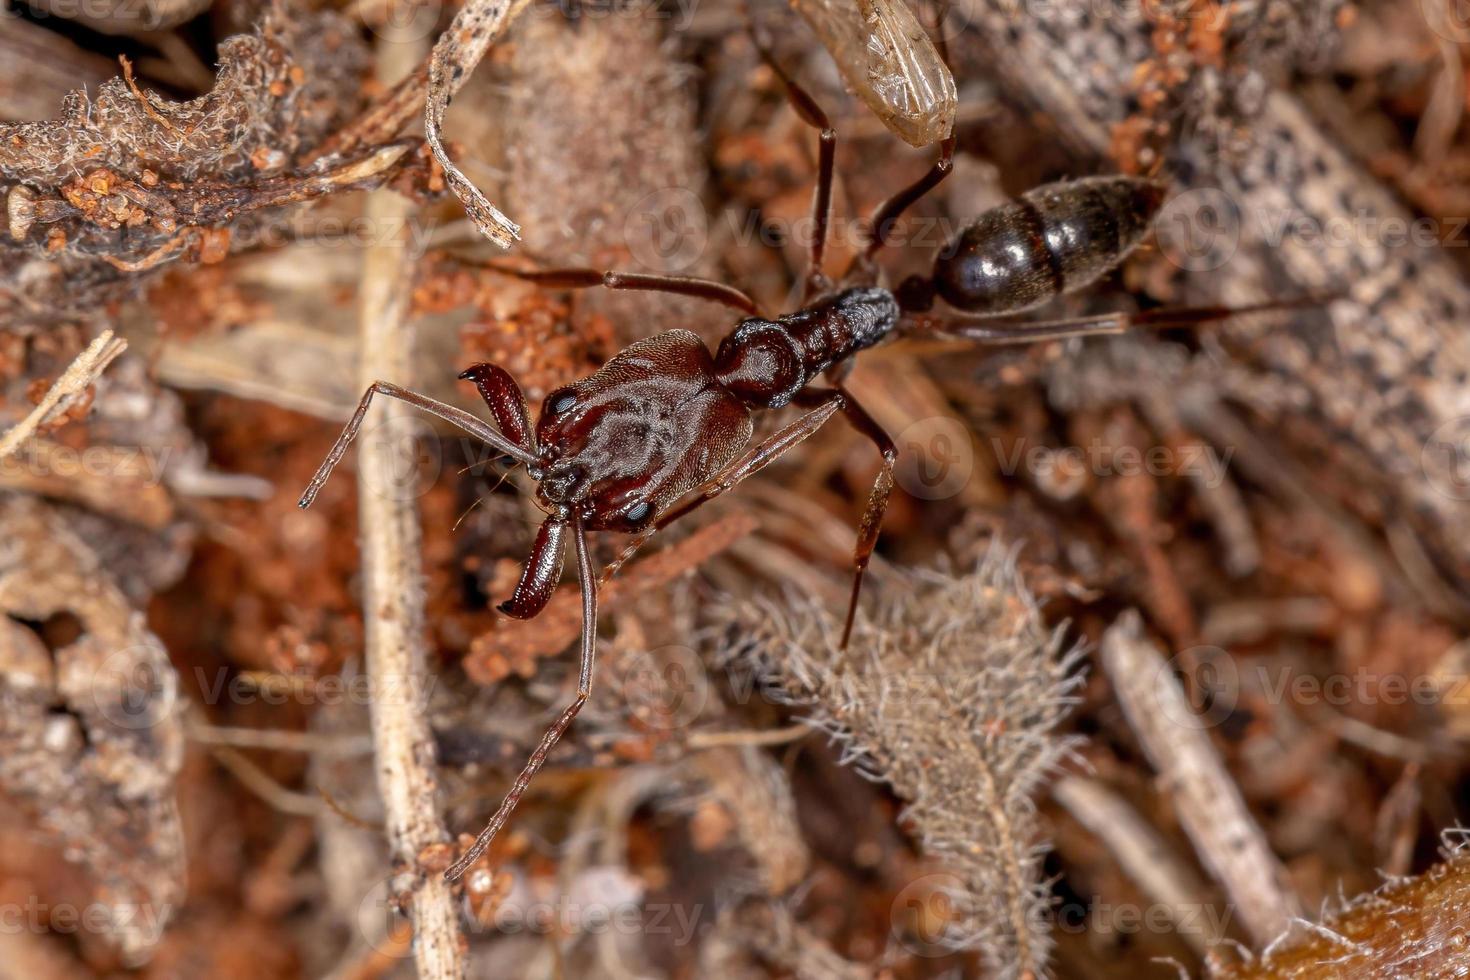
[1055, 239]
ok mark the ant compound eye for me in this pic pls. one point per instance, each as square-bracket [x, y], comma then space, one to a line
[637, 512]
[562, 403]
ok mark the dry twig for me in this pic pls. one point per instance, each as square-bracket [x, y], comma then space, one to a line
[1208, 802]
[1143, 855]
[72, 384]
[455, 55]
[393, 600]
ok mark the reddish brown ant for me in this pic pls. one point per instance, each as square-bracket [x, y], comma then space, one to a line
[659, 429]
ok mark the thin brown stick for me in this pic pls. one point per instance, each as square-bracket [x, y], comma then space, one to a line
[455, 55]
[1143, 855]
[393, 594]
[75, 380]
[1209, 804]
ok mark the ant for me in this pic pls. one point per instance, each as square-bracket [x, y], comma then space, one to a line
[662, 427]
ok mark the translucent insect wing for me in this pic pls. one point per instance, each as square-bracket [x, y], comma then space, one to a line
[889, 60]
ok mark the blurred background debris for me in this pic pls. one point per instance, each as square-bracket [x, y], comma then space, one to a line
[1163, 662]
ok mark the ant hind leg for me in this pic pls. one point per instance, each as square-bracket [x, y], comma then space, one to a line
[987, 330]
[872, 520]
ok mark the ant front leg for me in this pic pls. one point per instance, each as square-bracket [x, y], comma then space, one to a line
[563, 721]
[581, 278]
[474, 426]
[806, 107]
[872, 521]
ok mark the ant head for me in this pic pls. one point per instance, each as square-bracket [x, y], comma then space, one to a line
[619, 447]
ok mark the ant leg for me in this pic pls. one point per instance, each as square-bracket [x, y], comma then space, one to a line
[806, 107]
[757, 459]
[474, 426]
[872, 521]
[993, 330]
[880, 226]
[563, 721]
[777, 445]
[578, 278]
[987, 331]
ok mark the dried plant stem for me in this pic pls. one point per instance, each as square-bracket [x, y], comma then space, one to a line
[1142, 854]
[83, 371]
[393, 594]
[455, 55]
[1208, 802]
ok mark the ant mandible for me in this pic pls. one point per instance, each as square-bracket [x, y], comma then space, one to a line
[659, 429]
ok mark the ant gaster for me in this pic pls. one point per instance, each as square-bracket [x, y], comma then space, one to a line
[663, 426]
